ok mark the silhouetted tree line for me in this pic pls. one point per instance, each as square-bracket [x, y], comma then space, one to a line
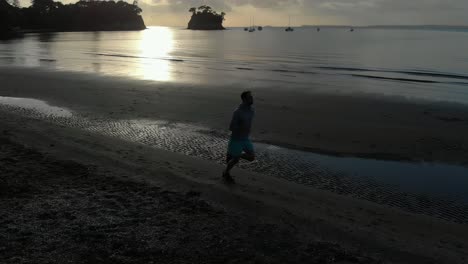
[80, 16]
[205, 18]
[8, 16]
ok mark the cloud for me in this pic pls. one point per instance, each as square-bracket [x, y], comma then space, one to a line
[182, 5]
[392, 11]
[265, 3]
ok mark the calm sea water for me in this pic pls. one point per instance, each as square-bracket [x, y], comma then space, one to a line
[422, 64]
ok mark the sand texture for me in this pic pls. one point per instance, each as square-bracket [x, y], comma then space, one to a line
[69, 195]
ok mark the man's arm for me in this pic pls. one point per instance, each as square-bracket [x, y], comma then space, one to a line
[234, 126]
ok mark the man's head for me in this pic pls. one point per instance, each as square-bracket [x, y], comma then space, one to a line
[247, 98]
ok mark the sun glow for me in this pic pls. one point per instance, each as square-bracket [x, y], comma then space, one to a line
[155, 48]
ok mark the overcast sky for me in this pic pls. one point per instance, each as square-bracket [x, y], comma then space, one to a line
[276, 12]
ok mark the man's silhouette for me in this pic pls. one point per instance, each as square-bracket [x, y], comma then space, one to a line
[240, 146]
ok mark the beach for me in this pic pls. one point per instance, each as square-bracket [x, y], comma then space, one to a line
[81, 196]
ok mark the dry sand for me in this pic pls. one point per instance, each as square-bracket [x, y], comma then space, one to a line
[73, 196]
[60, 211]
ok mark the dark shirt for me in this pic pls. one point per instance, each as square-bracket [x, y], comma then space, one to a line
[241, 122]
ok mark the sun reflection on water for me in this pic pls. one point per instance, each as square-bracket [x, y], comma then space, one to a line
[155, 47]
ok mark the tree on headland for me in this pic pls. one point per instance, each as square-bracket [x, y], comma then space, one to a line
[205, 9]
[205, 18]
[44, 7]
[84, 15]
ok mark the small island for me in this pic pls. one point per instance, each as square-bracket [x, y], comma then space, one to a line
[50, 16]
[205, 18]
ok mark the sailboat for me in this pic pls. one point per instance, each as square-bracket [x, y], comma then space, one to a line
[289, 28]
[252, 27]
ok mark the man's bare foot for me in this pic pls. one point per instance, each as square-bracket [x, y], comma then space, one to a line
[227, 177]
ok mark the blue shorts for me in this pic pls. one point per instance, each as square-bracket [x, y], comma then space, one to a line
[236, 146]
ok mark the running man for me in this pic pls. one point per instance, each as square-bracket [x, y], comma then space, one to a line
[240, 146]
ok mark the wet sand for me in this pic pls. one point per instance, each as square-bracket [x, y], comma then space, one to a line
[76, 195]
[346, 125]
[396, 184]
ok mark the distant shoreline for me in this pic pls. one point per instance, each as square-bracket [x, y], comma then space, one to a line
[423, 28]
[403, 27]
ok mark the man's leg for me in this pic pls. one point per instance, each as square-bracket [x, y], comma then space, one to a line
[228, 158]
[233, 156]
[232, 161]
[231, 164]
[249, 152]
[249, 156]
